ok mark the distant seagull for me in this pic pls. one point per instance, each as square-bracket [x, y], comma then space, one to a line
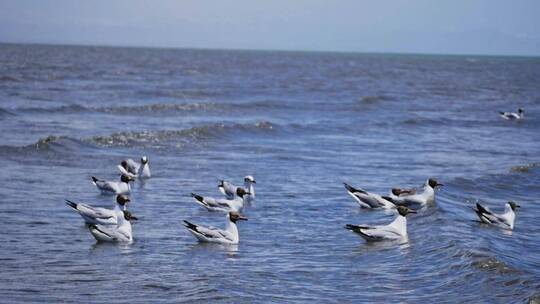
[231, 191]
[214, 235]
[121, 233]
[513, 116]
[504, 220]
[367, 199]
[98, 215]
[224, 205]
[396, 230]
[132, 169]
[418, 199]
[111, 187]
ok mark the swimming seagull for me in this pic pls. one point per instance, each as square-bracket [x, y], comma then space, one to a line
[121, 233]
[98, 215]
[396, 230]
[224, 205]
[367, 199]
[230, 190]
[111, 187]
[504, 220]
[418, 199]
[214, 235]
[132, 169]
[513, 116]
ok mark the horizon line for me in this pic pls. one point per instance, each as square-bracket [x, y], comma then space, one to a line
[411, 53]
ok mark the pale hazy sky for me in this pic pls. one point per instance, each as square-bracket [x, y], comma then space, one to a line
[420, 26]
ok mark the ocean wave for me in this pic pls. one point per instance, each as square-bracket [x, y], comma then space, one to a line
[152, 138]
[160, 108]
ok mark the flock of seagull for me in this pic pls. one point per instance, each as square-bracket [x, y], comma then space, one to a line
[113, 225]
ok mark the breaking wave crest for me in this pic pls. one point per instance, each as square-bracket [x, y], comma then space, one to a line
[154, 138]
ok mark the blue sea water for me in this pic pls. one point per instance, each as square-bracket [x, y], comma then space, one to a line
[302, 124]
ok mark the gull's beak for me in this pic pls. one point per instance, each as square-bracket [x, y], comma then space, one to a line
[438, 185]
[133, 218]
[254, 182]
[243, 218]
[247, 193]
[412, 211]
[518, 206]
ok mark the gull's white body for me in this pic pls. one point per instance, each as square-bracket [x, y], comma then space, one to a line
[221, 205]
[427, 196]
[135, 169]
[511, 115]
[121, 233]
[98, 215]
[112, 187]
[396, 230]
[229, 235]
[230, 190]
[367, 199]
[504, 220]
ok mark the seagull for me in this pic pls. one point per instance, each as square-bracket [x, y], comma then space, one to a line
[98, 215]
[396, 230]
[230, 190]
[132, 169]
[214, 235]
[513, 116]
[224, 205]
[121, 233]
[505, 219]
[111, 187]
[367, 199]
[427, 196]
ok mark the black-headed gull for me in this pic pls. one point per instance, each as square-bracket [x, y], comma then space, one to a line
[131, 168]
[504, 220]
[367, 199]
[231, 191]
[396, 230]
[513, 116]
[223, 205]
[112, 187]
[120, 233]
[213, 235]
[98, 215]
[418, 199]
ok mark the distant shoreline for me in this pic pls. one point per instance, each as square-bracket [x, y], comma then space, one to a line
[338, 52]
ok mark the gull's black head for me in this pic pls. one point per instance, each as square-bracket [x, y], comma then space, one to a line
[124, 164]
[403, 211]
[250, 179]
[126, 179]
[433, 183]
[144, 160]
[520, 110]
[128, 216]
[235, 216]
[513, 205]
[122, 199]
[241, 192]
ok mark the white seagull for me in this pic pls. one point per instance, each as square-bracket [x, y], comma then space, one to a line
[224, 205]
[418, 199]
[214, 235]
[121, 233]
[231, 191]
[513, 116]
[396, 230]
[111, 187]
[504, 220]
[367, 199]
[132, 169]
[98, 215]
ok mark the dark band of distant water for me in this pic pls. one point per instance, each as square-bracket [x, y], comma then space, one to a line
[301, 123]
